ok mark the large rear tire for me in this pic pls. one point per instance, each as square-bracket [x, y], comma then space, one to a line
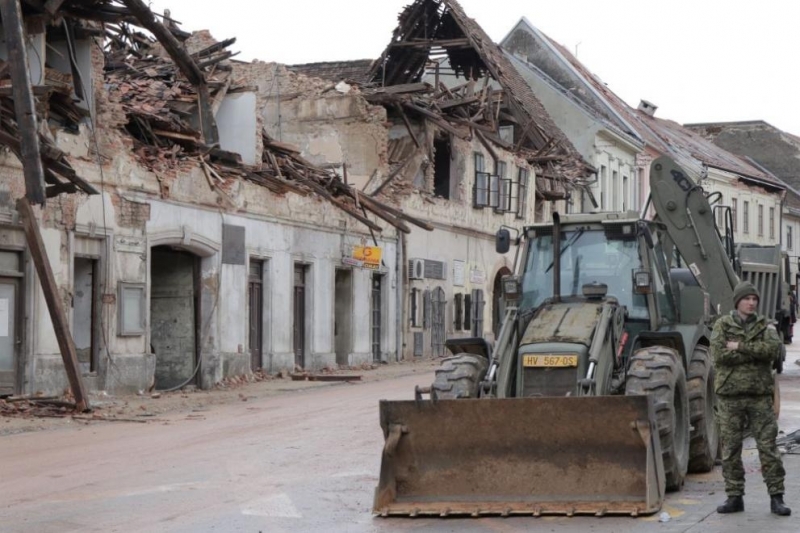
[658, 371]
[460, 376]
[704, 442]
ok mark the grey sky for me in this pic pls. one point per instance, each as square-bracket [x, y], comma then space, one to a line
[698, 60]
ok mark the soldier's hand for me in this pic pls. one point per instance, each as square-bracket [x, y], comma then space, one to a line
[732, 345]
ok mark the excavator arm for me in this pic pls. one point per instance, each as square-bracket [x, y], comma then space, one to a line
[682, 207]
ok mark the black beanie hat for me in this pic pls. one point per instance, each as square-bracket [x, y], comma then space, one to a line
[744, 288]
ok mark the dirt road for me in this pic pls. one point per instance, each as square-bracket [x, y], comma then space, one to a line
[303, 459]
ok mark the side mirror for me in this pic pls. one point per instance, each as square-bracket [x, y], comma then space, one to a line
[502, 241]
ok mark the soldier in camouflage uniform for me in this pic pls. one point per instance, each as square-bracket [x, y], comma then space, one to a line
[744, 346]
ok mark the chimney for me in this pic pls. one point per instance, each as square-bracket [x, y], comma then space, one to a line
[647, 108]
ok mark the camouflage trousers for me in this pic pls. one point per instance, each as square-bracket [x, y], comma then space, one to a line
[753, 414]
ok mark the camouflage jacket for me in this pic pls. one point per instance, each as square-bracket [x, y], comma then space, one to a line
[748, 370]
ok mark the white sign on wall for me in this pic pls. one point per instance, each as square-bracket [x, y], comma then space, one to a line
[458, 273]
[477, 276]
[4, 317]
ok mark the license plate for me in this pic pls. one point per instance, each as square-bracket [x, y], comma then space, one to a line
[550, 360]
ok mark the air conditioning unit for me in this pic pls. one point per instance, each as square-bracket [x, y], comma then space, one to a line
[416, 269]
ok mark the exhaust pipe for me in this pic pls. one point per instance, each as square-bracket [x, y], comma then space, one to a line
[556, 257]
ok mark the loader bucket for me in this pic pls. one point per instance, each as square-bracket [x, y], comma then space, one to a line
[536, 456]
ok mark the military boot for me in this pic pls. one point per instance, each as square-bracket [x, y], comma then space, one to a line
[734, 504]
[777, 507]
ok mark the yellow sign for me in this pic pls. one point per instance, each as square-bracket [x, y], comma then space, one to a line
[370, 256]
[548, 360]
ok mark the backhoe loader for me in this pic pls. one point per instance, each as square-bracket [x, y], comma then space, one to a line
[597, 395]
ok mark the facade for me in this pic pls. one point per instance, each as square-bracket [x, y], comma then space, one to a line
[775, 152]
[190, 264]
[454, 153]
[585, 111]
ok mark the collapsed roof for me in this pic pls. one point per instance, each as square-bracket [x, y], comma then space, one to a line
[438, 31]
[167, 101]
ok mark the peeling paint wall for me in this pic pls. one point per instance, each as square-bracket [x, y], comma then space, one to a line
[141, 209]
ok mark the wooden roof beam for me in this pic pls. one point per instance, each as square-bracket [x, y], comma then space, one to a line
[185, 63]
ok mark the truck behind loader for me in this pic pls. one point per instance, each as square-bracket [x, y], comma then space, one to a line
[597, 396]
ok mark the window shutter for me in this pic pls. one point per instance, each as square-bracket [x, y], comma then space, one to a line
[481, 190]
[467, 311]
[426, 309]
[458, 302]
[494, 191]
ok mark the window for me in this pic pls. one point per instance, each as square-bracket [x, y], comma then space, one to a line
[131, 308]
[734, 213]
[504, 200]
[458, 313]
[480, 191]
[414, 308]
[788, 237]
[467, 311]
[760, 220]
[494, 191]
[522, 192]
[626, 193]
[745, 217]
[441, 167]
[771, 222]
[614, 190]
[603, 185]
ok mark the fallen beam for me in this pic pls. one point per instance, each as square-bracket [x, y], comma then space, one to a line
[24, 104]
[54, 304]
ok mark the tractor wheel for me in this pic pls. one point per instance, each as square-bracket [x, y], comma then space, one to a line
[658, 371]
[704, 441]
[459, 376]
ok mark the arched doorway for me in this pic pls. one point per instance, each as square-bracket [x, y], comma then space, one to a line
[174, 316]
[498, 304]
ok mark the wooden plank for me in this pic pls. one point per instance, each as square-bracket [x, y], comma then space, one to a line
[395, 172]
[24, 104]
[403, 116]
[54, 304]
[183, 60]
[436, 119]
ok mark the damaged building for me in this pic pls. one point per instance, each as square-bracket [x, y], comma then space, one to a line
[463, 143]
[187, 243]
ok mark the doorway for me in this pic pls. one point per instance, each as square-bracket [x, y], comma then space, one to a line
[85, 307]
[255, 291]
[299, 322]
[10, 337]
[376, 308]
[498, 302]
[174, 316]
[438, 334]
[343, 316]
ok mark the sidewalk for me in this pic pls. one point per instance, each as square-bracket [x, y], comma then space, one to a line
[19, 417]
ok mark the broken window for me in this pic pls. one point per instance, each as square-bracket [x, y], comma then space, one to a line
[237, 123]
[441, 166]
[522, 192]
